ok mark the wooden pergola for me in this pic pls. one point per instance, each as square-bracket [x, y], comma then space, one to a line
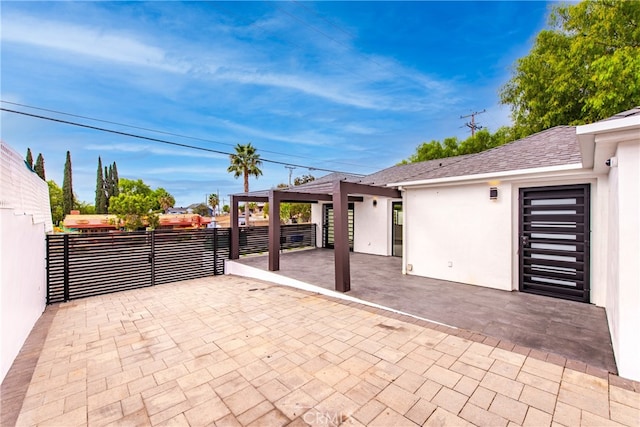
[340, 192]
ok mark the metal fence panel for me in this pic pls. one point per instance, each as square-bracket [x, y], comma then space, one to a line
[82, 265]
[183, 255]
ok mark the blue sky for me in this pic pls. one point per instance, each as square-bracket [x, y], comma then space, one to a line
[349, 86]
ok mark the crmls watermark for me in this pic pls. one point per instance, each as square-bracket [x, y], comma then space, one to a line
[324, 418]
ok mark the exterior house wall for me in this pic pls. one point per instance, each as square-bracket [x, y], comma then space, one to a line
[25, 217]
[457, 233]
[372, 231]
[623, 302]
[372, 226]
[459, 224]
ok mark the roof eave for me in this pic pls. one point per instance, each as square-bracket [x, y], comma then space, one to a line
[489, 175]
[598, 141]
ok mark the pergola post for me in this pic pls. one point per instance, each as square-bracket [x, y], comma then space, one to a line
[274, 230]
[341, 237]
[235, 229]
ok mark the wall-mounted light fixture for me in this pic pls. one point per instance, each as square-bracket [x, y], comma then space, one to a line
[493, 193]
[375, 202]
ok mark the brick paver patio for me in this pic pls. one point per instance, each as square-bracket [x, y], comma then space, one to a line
[233, 351]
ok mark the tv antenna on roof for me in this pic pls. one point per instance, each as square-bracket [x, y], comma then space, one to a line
[472, 124]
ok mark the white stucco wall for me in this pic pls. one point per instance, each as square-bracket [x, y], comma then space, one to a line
[372, 229]
[372, 226]
[600, 223]
[457, 233]
[316, 218]
[25, 218]
[623, 299]
[22, 282]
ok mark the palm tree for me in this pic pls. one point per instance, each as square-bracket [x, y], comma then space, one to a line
[245, 162]
[214, 201]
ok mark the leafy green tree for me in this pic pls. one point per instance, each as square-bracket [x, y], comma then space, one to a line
[132, 209]
[201, 209]
[55, 202]
[136, 203]
[299, 180]
[585, 67]
[134, 186]
[39, 167]
[86, 208]
[29, 158]
[481, 141]
[300, 212]
[165, 200]
[245, 162]
[101, 196]
[68, 201]
[226, 209]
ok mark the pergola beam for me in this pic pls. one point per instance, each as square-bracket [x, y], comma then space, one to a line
[274, 230]
[370, 190]
[340, 196]
[235, 228]
[341, 237]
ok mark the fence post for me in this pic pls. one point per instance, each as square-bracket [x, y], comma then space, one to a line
[215, 251]
[152, 257]
[48, 270]
[314, 230]
[66, 268]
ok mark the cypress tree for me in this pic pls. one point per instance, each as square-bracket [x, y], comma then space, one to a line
[115, 180]
[101, 199]
[29, 159]
[67, 187]
[39, 168]
[108, 185]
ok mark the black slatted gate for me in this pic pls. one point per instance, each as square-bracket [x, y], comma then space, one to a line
[83, 265]
[554, 241]
[327, 226]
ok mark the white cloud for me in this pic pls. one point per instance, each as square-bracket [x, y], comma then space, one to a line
[87, 41]
[339, 74]
[305, 138]
[183, 170]
[156, 150]
[310, 85]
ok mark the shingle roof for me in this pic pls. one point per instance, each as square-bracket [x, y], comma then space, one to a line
[557, 146]
[633, 112]
[408, 171]
[553, 147]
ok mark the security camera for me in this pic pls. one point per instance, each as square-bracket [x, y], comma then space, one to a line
[612, 162]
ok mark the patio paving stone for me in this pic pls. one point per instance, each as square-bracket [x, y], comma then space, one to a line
[549, 329]
[253, 353]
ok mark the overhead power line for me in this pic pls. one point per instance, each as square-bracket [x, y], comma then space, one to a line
[161, 141]
[166, 133]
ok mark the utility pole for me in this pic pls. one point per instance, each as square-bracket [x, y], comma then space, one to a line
[472, 124]
[291, 168]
